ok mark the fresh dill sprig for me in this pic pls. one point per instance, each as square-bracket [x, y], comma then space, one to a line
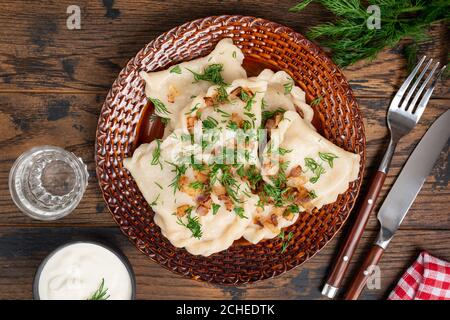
[263, 104]
[194, 108]
[316, 168]
[283, 151]
[328, 157]
[269, 114]
[100, 293]
[248, 99]
[349, 38]
[192, 224]
[288, 87]
[211, 73]
[239, 211]
[230, 183]
[232, 125]
[160, 107]
[179, 171]
[209, 123]
[285, 240]
[223, 113]
[312, 194]
[215, 208]
[156, 154]
[293, 208]
[176, 69]
[316, 101]
[155, 202]
[197, 185]
[222, 95]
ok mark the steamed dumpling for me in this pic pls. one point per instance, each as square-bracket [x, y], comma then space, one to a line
[203, 202]
[322, 172]
[307, 149]
[175, 208]
[282, 93]
[176, 87]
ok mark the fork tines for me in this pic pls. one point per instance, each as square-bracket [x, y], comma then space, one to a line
[414, 87]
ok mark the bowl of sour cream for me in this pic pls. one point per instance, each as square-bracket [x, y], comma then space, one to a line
[84, 270]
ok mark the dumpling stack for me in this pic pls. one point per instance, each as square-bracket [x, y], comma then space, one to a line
[239, 157]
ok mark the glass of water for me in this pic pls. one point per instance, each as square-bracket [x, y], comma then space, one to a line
[47, 183]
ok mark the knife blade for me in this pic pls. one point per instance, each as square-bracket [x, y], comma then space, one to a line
[411, 179]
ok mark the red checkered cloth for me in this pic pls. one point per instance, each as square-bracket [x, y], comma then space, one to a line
[427, 279]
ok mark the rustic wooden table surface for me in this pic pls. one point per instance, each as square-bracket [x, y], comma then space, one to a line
[53, 82]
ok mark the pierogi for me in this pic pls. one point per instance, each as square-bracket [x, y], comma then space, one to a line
[239, 158]
[177, 86]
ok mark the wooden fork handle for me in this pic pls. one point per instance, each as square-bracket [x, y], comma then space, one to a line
[366, 270]
[351, 241]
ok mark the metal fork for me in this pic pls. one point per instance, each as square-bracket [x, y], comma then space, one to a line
[401, 119]
[403, 114]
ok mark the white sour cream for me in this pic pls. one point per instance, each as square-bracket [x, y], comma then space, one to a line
[76, 271]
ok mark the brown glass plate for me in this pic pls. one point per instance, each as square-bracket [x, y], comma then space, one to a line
[124, 124]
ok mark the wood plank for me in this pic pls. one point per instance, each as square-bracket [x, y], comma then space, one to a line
[70, 121]
[67, 121]
[39, 53]
[24, 248]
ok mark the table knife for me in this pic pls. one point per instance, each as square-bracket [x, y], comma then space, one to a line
[402, 195]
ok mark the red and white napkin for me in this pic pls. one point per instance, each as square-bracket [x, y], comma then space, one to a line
[427, 279]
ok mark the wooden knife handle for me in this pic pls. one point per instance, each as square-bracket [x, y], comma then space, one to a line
[359, 282]
[351, 241]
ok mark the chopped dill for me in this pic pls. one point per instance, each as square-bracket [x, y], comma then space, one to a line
[176, 69]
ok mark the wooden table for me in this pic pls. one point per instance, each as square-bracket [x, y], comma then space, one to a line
[53, 82]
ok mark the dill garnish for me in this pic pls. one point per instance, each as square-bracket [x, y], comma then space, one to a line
[194, 108]
[285, 240]
[288, 87]
[157, 153]
[349, 38]
[263, 104]
[100, 293]
[160, 107]
[312, 194]
[155, 117]
[223, 113]
[179, 170]
[155, 202]
[293, 208]
[248, 99]
[232, 125]
[192, 224]
[316, 101]
[240, 212]
[215, 208]
[265, 115]
[316, 168]
[158, 185]
[175, 69]
[222, 95]
[283, 151]
[211, 73]
[197, 185]
[328, 157]
[209, 123]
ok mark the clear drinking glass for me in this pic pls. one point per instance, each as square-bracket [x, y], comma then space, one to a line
[47, 182]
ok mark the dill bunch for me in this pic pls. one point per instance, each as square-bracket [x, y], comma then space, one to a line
[350, 40]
